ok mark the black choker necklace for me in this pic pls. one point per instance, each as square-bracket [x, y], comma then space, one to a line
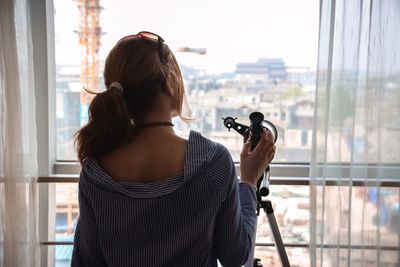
[155, 124]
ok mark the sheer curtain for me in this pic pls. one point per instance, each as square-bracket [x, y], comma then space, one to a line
[357, 136]
[18, 152]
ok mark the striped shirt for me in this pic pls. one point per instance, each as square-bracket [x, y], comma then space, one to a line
[191, 219]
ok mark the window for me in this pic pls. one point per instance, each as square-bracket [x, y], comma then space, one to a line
[252, 62]
[236, 57]
[256, 56]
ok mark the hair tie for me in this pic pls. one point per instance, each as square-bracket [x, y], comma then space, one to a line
[118, 86]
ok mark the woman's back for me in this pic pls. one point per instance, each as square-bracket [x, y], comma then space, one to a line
[155, 154]
[186, 220]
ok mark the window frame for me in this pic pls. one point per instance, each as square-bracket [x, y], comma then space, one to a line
[51, 171]
[43, 46]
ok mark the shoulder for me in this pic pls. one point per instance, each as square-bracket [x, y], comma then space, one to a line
[92, 174]
[213, 159]
[207, 150]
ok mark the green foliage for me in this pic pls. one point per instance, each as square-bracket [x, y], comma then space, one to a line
[341, 105]
[293, 91]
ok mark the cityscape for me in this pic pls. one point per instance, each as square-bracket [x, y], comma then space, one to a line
[284, 94]
[271, 70]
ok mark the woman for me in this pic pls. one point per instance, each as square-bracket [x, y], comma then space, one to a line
[148, 197]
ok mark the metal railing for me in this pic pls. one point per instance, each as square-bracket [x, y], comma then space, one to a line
[296, 174]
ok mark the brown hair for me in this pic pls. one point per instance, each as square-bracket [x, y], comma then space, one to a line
[134, 62]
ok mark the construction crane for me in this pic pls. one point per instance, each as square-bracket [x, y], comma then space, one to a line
[186, 49]
[90, 39]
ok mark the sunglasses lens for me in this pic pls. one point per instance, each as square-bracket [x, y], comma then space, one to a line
[148, 35]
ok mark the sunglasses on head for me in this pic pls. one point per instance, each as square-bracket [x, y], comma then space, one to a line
[152, 37]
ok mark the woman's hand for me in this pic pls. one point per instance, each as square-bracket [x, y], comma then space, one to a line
[253, 163]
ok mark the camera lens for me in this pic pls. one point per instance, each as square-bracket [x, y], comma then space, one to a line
[256, 117]
[257, 123]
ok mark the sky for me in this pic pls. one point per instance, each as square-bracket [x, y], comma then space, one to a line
[232, 31]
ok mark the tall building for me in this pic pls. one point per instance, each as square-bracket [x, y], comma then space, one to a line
[265, 70]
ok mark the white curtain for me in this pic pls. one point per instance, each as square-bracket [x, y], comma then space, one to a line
[18, 152]
[355, 170]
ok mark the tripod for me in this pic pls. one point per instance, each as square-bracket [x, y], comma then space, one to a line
[266, 205]
[254, 133]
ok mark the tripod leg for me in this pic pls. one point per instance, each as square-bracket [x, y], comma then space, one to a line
[277, 236]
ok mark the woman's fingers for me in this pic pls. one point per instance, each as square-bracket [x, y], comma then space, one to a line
[253, 163]
[264, 145]
[270, 155]
[246, 148]
[261, 144]
[269, 159]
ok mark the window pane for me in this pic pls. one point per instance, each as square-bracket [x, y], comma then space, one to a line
[63, 254]
[291, 212]
[268, 256]
[359, 258]
[67, 212]
[66, 215]
[236, 57]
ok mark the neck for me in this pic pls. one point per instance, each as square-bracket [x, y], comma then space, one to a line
[156, 131]
[157, 117]
[157, 125]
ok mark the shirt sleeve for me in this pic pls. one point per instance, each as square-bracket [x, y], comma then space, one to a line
[235, 223]
[87, 251]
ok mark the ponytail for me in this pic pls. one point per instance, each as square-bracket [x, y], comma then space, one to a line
[109, 125]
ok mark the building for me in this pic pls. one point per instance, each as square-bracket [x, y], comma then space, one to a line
[270, 70]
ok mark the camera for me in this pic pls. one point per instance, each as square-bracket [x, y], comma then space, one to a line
[254, 132]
